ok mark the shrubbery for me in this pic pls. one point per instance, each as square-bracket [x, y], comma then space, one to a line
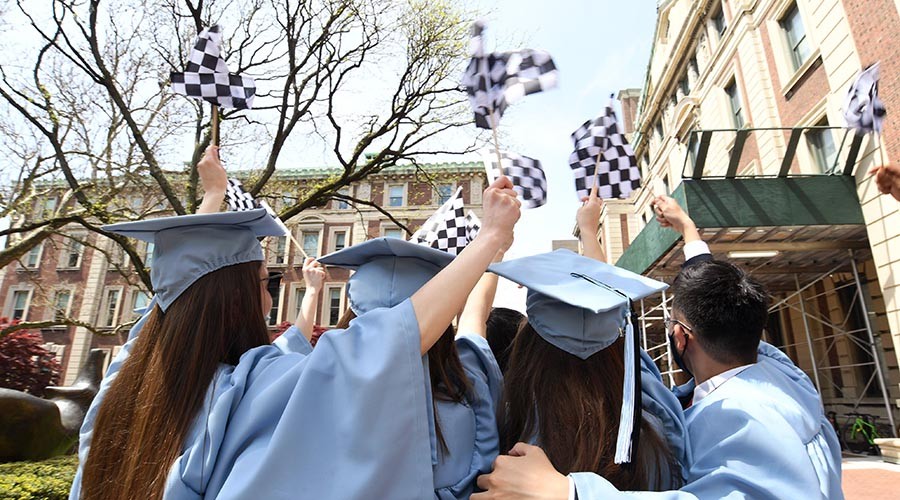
[46, 480]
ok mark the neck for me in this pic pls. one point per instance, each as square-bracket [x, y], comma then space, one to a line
[707, 368]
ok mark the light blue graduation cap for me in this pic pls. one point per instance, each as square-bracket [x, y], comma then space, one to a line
[388, 271]
[188, 247]
[582, 306]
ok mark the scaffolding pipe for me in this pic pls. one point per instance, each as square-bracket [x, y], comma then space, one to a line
[665, 311]
[812, 355]
[643, 326]
[865, 311]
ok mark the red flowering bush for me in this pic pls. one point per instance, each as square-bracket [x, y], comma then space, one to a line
[24, 363]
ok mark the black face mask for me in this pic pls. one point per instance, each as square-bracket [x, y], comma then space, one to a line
[677, 356]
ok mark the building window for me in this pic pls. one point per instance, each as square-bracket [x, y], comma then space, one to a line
[340, 240]
[821, 146]
[444, 191]
[298, 300]
[61, 301]
[273, 313]
[795, 34]
[148, 258]
[734, 98]
[20, 303]
[333, 305]
[660, 135]
[111, 307]
[139, 301]
[393, 232]
[310, 240]
[47, 208]
[685, 85]
[342, 204]
[395, 195]
[718, 21]
[33, 257]
[278, 250]
[71, 255]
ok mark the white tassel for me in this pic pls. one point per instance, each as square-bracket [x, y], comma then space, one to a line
[626, 419]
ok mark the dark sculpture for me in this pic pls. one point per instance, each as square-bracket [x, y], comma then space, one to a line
[32, 428]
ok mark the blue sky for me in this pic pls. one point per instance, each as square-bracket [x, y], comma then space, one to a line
[600, 47]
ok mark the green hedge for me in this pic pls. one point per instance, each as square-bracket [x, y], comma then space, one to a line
[46, 480]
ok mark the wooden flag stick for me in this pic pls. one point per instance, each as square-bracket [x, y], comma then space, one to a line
[880, 148]
[214, 125]
[299, 246]
[496, 142]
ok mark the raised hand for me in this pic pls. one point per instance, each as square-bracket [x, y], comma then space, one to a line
[313, 274]
[213, 180]
[588, 215]
[501, 209]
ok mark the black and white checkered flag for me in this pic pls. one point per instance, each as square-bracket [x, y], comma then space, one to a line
[495, 80]
[526, 174]
[863, 109]
[206, 76]
[617, 171]
[239, 200]
[473, 226]
[446, 229]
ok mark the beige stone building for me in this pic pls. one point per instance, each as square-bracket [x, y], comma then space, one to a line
[88, 279]
[740, 119]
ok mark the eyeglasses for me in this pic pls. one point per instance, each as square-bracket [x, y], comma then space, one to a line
[670, 325]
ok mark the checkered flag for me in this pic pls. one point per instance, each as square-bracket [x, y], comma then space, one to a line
[526, 174]
[446, 229]
[495, 80]
[864, 110]
[206, 76]
[473, 226]
[239, 200]
[617, 171]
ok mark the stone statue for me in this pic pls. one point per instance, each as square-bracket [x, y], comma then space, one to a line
[33, 428]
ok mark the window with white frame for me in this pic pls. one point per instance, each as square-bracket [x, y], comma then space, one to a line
[298, 300]
[444, 192]
[110, 311]
[274, 317]
[20, 301]
[342, 204]
[32, 259]
[799, 48]
[148, 257]
[718, 21]
[734, 101]
[392, 232]
[139, 301]
[333, 304]
[338, 240]
[822, 147]
[61, 301]
[72, 252]
[310, 241]
[277, 250]
[395, 195]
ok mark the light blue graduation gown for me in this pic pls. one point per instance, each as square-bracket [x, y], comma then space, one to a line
[761, 434]
[344, 421]
[470, 428]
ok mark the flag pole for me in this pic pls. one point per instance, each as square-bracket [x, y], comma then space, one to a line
[496, 142]
[214, 125]
[299, 246]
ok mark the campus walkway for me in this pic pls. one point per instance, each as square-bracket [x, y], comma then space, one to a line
[869, 478]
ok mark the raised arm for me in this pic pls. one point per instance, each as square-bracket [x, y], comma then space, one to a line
[670, 214]
[442, 298]
[213, 179]
[588, 218]
[480, 302]
[313, 277]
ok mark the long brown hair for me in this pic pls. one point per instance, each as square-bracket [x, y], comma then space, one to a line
[448, 378]
[572, 406]
[142, 422]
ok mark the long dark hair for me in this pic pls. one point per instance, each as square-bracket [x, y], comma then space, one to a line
[142, 422]
[572, 406]
[448, 378]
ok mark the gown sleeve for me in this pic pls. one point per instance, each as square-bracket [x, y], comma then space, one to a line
[293, 340]
[346, 421]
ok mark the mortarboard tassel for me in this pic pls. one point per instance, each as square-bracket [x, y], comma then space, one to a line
[626, 419]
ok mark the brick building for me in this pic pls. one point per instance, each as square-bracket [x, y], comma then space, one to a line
[740, 118]
[88, 279]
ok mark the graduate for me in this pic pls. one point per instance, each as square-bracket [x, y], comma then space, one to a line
[462, 379]
[572, 386]
[755, 421]
[199, 404]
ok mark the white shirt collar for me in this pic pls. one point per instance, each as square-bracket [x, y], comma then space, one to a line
[704, 389]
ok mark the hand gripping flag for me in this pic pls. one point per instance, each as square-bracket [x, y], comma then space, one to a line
[863, 109]
[616, 172]
[206, 76]
[449, 228]
[526, 174]
[495, 80]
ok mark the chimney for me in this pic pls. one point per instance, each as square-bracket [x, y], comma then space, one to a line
[630, 99]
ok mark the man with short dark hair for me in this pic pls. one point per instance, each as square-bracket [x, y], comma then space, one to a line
[755, 422]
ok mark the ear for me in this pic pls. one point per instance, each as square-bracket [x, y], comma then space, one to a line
[679, 336]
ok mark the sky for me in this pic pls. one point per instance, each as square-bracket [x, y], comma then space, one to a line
[599, 47]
